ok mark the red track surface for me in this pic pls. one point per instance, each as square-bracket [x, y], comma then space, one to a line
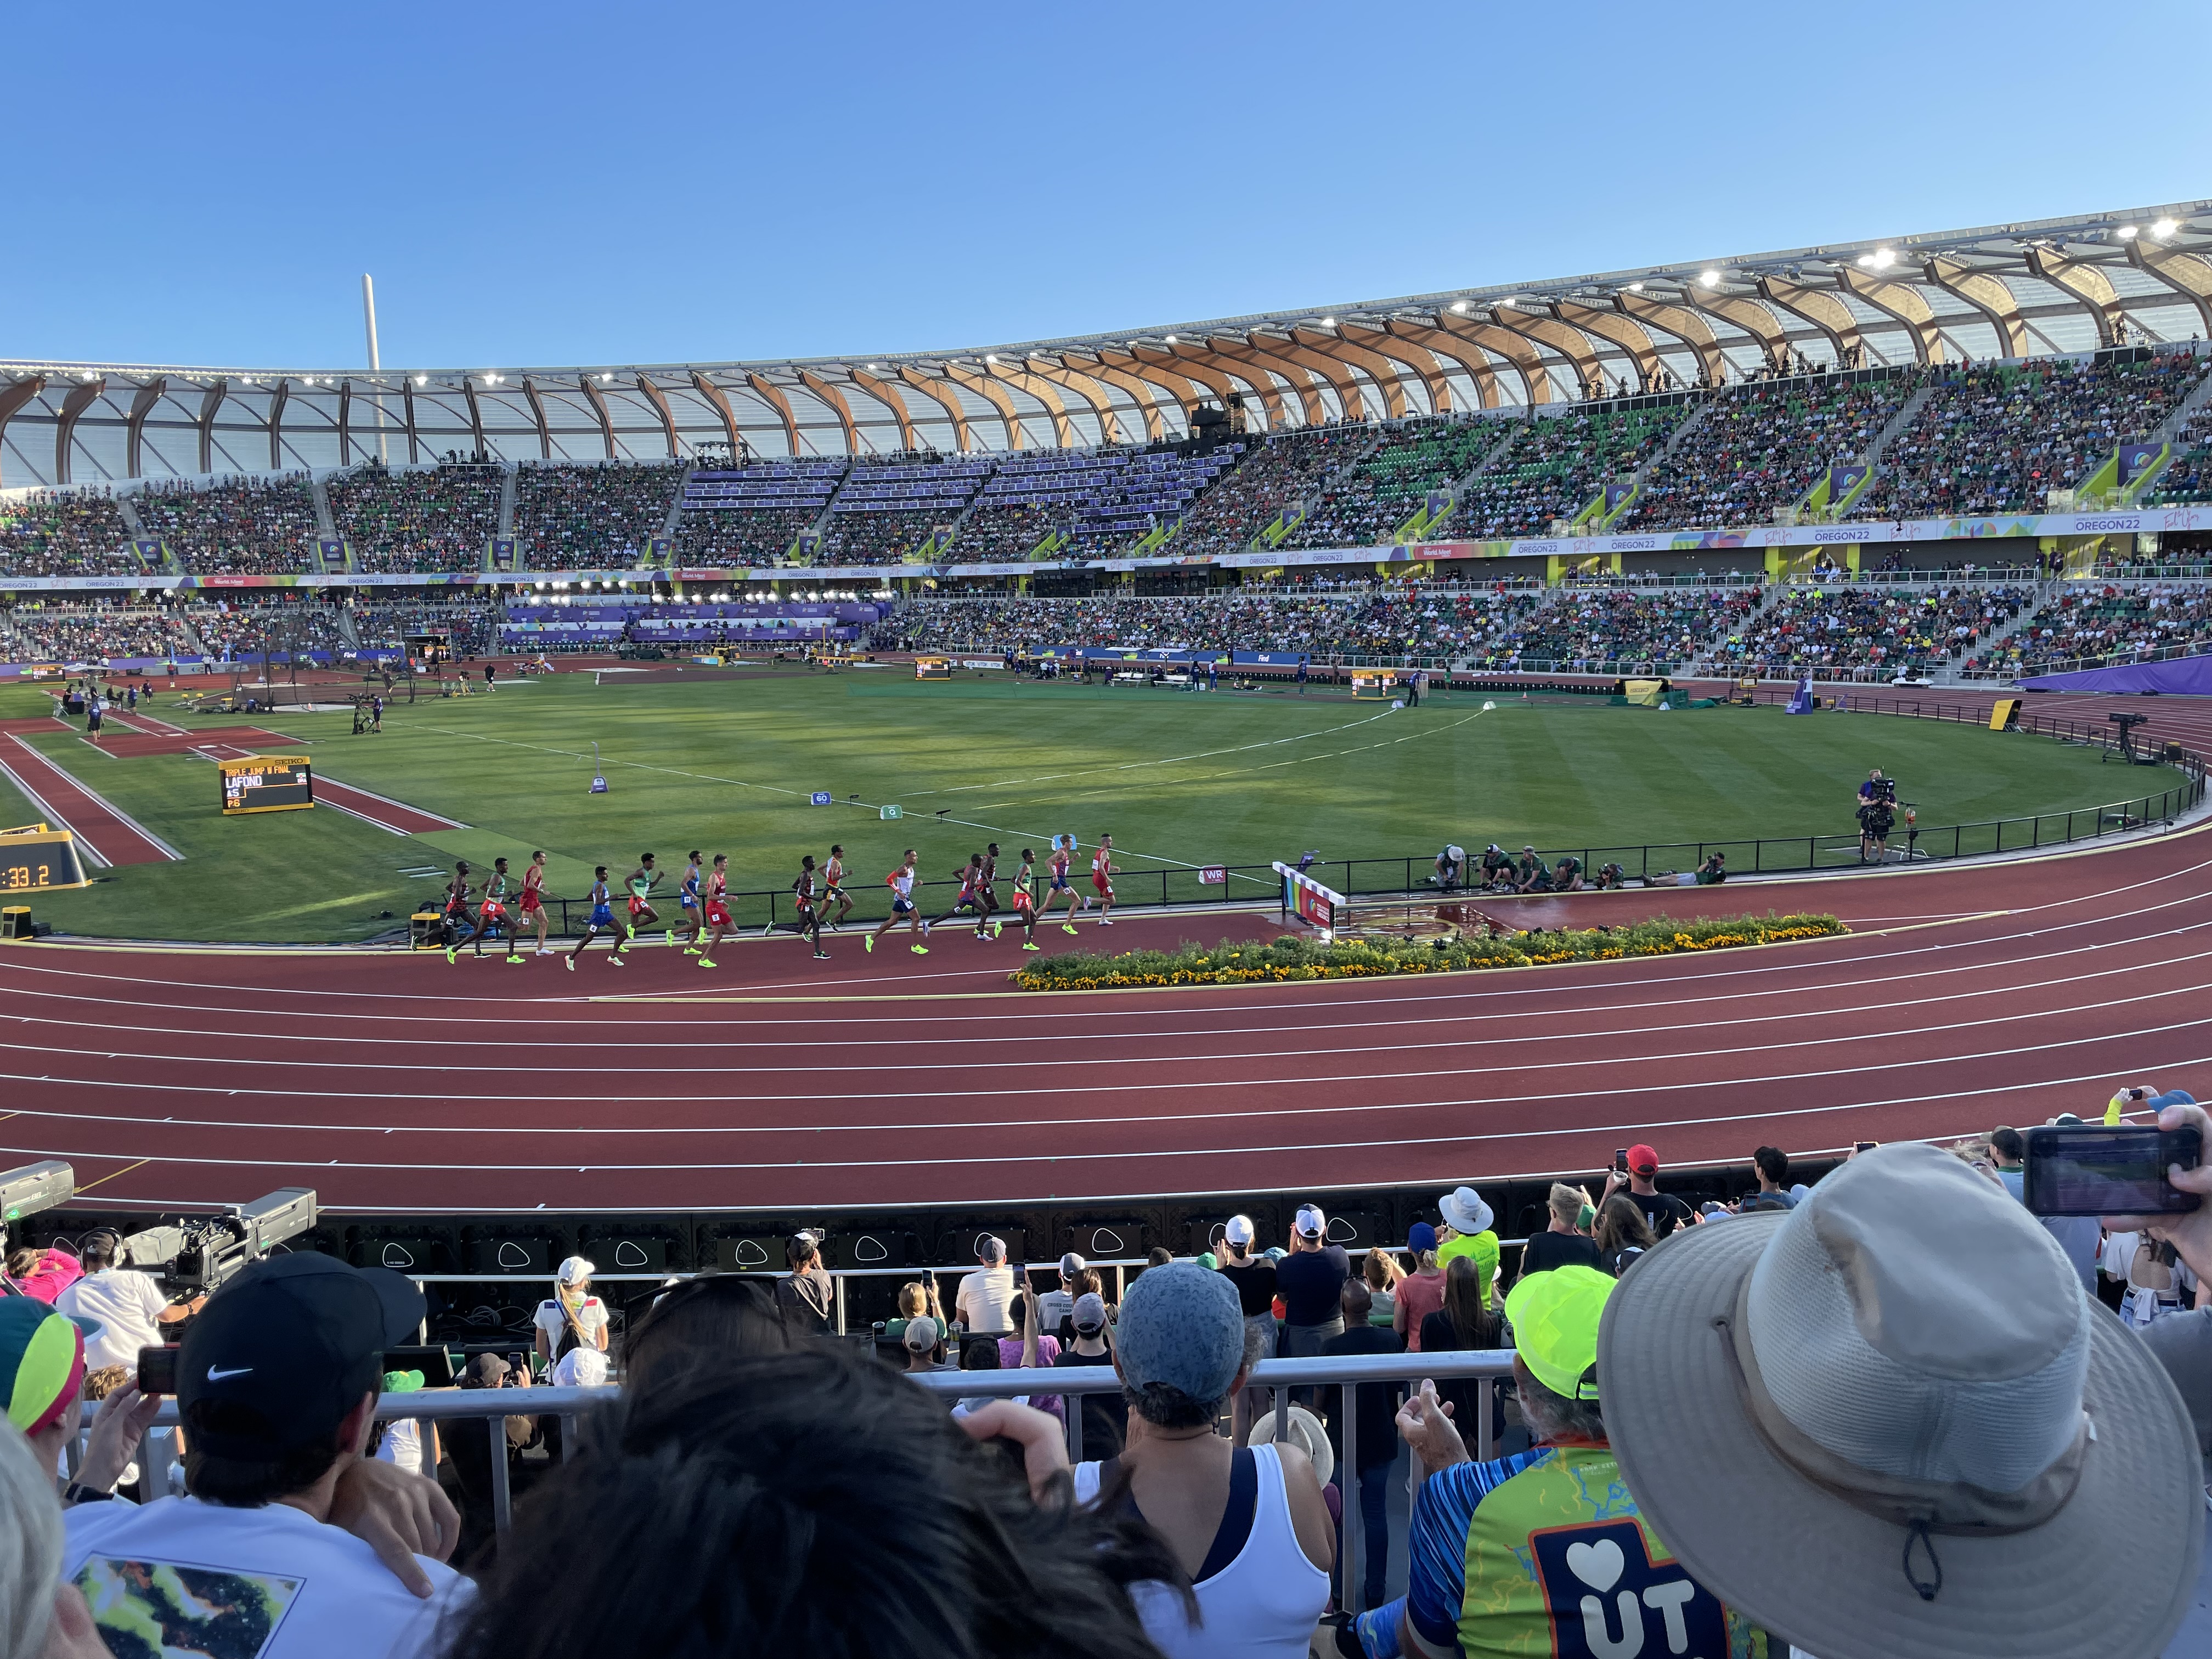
[381, 811]
[104, 830]
[1968, 995]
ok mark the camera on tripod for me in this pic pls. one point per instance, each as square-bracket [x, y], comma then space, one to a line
[1884, 790]
[201, 1254]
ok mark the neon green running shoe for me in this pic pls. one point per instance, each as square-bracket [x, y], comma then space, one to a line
[705, 962]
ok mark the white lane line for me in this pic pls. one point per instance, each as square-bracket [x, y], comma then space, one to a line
[1270, 1150]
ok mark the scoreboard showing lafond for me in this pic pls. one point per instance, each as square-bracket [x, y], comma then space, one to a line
[36, 859]
[266, 783]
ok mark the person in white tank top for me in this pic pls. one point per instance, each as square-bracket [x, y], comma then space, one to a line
[1248, 1525]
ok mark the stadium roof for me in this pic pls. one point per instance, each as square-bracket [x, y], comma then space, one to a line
[2015, 290]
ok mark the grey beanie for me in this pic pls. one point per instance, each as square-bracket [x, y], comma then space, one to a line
[1182, 1326]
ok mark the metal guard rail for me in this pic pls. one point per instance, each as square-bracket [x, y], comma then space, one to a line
[492, 1407]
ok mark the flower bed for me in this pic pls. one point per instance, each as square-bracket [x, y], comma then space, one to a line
[1295, 957]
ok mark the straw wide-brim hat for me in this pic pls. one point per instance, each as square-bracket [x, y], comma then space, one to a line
[2109, 1576]
[1307, 1431]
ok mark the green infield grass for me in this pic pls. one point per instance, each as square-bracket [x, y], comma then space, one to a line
[1180, 780]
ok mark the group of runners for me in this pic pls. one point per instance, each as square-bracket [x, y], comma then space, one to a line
[498, 904]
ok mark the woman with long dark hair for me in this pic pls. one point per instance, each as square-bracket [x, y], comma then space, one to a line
[1621, 1232]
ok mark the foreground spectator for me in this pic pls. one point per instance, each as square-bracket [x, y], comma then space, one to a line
[1905, 1368]
[1467, 1233]
[985, 1298]
[1105, 1416]
[1375, 1404]
[42, 1616]
[42, 1378]
[807, 1504]
[2183, 1341]
[277, 1392]
[1621, 1233]
[1253, 1273]
[696, 1323]
[1562, 1243]
[126, 1305]
[1543, 1552]
[1663, 1212]
[1247, 1526]
[1465, 1324]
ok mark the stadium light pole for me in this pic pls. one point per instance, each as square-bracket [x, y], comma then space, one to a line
[369, 321]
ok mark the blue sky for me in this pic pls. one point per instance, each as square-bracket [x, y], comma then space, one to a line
[560, 184]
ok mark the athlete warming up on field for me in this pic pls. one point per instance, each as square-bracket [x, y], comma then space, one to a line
[533, 900]
[718, 906]
[490, 913]
[1062, 858]
[642, 880]
[1023, 899]
[901, 882]
[1101, 877]
[687, 897]
[602, 921]
[833, 889]
[970, 878]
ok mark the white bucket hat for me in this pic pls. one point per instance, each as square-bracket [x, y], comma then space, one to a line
[1306, 1431]
[1937, 1445]
[1464, 1211]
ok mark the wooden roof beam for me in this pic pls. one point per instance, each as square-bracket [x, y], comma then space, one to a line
[13, 396]
[1094, 393]
[1128, 375]
[993, 394]
[888, 395]
[1625, 331]
[2081, 281]
[1341, 348]
[719, 401]
[1028, 380]
[834, 400]
[1901, 303]
[2188, 274]
[1988, 294]
[771, 394]
[1471, 358]
[946, 399]
[142, 405]
[1380, 343]
[1818, 306]
[1518, 354]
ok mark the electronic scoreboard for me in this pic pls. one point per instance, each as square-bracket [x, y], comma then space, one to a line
[266, 783]
[36, 859]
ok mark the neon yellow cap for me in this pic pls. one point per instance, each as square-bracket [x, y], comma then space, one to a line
[1555, 1318]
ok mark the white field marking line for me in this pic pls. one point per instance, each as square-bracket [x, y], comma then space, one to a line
[1699, 971]
[1062, 1013]
[93, 855]
[386, 800]
[905, 1126]
[648, 1071]
[873, 1042]
[114, 811]
[1270, 1150]
[373, 823]
[1131, 765]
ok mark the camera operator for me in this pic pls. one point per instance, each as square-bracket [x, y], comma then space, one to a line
[1877, 815]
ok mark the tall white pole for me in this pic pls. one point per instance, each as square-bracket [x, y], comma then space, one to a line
[369, 321]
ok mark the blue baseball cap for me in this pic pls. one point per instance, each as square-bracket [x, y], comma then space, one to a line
[1420, 1236]
[1182, 1326]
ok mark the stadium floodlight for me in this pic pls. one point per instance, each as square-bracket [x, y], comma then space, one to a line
[2126, 232]
[1710, 279]
[35, 1187]
[1636, 288]
[1329, 322]
[2164, 229]
[1171, 340]
[421, 379]
[1459, 304]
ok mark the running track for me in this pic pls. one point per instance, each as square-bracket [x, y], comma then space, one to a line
[1970, 995]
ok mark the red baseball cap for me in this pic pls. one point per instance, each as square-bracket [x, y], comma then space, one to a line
[1643, 1160]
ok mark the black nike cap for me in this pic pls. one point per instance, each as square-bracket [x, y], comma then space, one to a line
[277, 1356]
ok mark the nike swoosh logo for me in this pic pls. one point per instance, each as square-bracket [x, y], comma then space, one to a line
[215, 1375]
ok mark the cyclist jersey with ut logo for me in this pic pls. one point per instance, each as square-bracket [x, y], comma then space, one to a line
[1543, 1554]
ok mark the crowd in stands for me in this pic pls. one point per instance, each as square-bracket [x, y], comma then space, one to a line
[59, 532]
[2090, 621]
[879, 537]
[591, 518]
[470, 627]
[66, 631]
[426, 519]
[2000, 437]
[1280, 472]
[1764, 444]
[1350, 621]
[237, 627]
[1869, 629]
[255, 527]
[2188, 476]
[1663, 631]
[1556, 466]
[1364, 504]
[1851, 1409]
[741, 537]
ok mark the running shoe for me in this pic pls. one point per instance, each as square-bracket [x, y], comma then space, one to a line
[822, 956]
[514, 958]
[545, 953]
[925, 930]
[693, 951]
[997, 929]
[616, 960]
[1033, 947]
[704, 963]
[868, 943]
[919, 950]
[671, 937]
[1104, 921]
[569, 962]
[1066, 927]
[452, 951]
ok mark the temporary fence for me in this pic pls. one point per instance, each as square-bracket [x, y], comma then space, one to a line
[491, 1407]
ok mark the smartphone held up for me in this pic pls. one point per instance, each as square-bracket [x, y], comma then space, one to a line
[2088, 1168]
